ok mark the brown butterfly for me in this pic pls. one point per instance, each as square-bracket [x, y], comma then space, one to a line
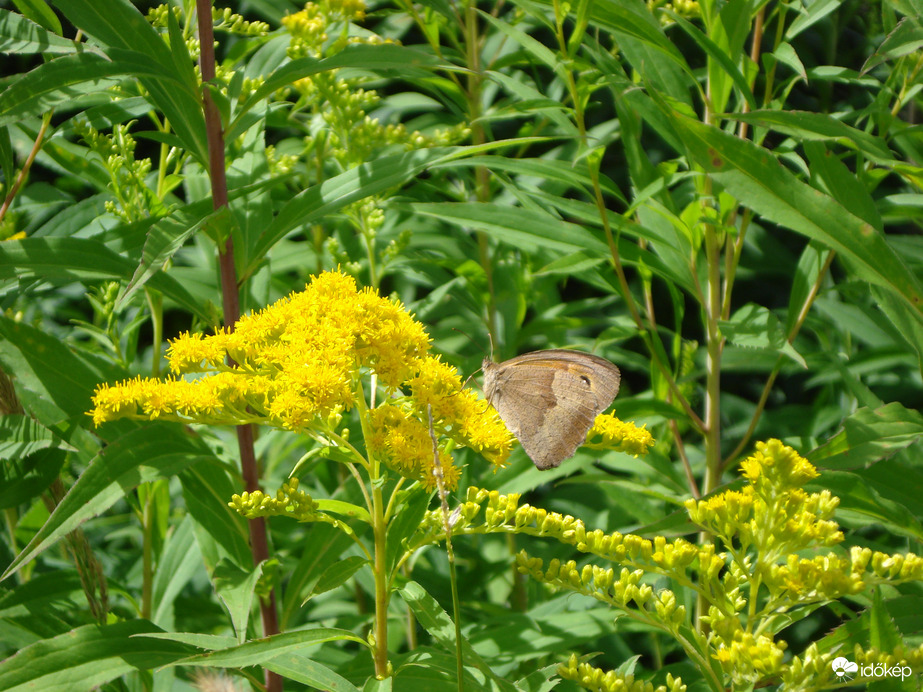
[549, 399]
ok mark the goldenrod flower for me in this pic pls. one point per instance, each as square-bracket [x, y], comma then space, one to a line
[298, 367]
[613, 433]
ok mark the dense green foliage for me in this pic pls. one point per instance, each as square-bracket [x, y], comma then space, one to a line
[721, 198]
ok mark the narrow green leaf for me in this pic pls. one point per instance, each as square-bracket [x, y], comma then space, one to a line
[818, 126]
[755, 177]
[87, 657]
[298, 667]
[20, 35]
[786, 55]
[221, 532]
[337, 574]
[118, 25]
[235, 588]
[55, 82]
[754, 326]
[346, 509]
[178, 562]
[905, 38]
[719, 56]
[321, 547]
[883, 634]
[154, 451]
[355, 184]
[259, 651]
[867, 505]
[642, 39]
[82, 259]
[365, 57]
[525, 228]
[904, 320]
[806, 273]
[869, 435]
[21, 436]
[40, 13]
[437, 622]
[532, 46]
[165, 238]
[61, 380]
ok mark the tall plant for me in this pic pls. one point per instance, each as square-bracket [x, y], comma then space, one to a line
[692, 189]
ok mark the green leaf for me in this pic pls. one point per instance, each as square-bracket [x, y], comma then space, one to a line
[754, 326]
[22, 436]
[40, 13]
[365, 57]
[805, 125]
[337, 574]
[528, 229]
[906, 38]
[179, 561]
[437, 622]
[55, 82]
[91, 654]
[61, 380]
[66, 260]
[346, 509]
[807, 271]
[867, 501]
[33, 456]
[904, 320]
[298, 667]
[321, 547]
[235, 588]
[259, 651]
[870, 435]
[221, 532]
[117, 24]
[20, 35]
[363, 181]
[714, 51]
[146, 454]
[760, 182]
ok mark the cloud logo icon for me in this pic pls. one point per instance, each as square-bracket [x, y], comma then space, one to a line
[843, 667]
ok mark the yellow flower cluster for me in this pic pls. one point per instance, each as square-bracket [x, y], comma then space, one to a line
[749, 658]
[297, 361]
[625, 591]
[504, 514]
[598, 680]
[402, 441]
[457, 412]
[608, 432]
[308, 27]
[298, 364]
[772, 514]
[288, 502]
[751, 588]
[814, 670]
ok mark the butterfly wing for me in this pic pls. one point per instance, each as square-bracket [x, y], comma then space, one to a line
[549, 399]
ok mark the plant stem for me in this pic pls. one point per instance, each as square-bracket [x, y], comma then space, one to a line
[382, 583]
[259, 542]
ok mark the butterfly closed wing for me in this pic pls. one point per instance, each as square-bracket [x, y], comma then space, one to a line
[549, 399]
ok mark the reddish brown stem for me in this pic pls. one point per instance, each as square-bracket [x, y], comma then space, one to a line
[259, 543]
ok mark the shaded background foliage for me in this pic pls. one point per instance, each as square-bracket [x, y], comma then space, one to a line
[503, 240]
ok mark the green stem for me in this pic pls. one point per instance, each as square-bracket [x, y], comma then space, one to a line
[380, 537]
[147, 552]
[382, 592]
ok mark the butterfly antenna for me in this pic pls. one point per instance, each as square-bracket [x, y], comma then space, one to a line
[469, 337]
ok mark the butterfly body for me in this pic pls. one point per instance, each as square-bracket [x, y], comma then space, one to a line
[549, 399]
